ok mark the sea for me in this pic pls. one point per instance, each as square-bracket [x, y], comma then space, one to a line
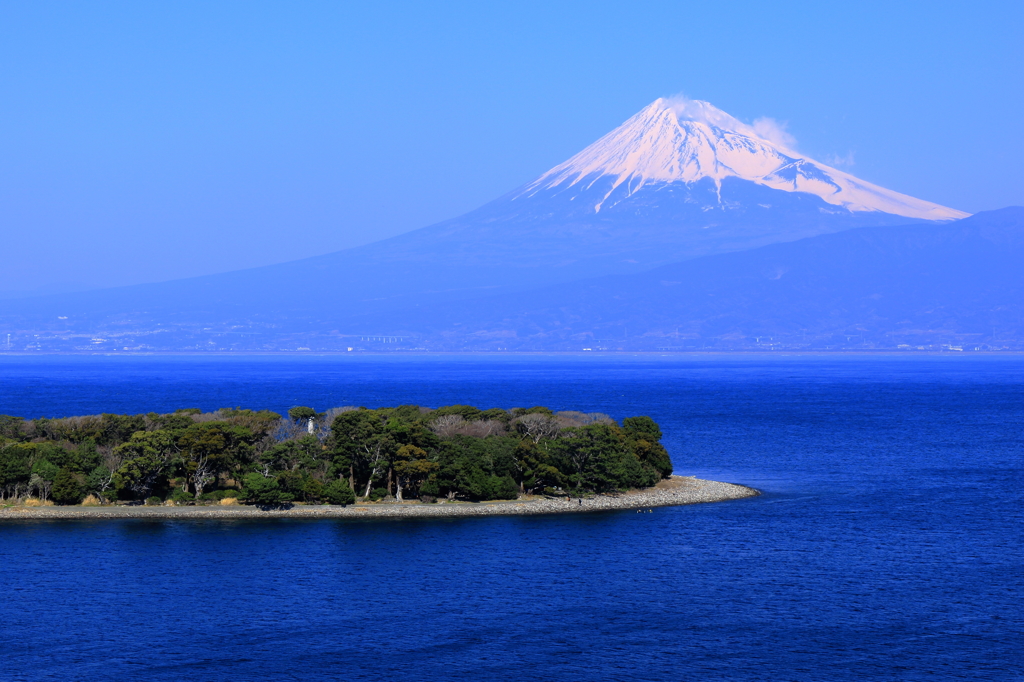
[886, 544]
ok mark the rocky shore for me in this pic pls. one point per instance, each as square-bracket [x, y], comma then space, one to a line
[677, 490]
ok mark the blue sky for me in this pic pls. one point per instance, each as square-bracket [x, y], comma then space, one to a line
[148, 141]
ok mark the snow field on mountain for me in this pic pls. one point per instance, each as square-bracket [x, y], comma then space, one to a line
[686, 141]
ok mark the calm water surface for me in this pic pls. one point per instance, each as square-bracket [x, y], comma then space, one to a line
[887, 545]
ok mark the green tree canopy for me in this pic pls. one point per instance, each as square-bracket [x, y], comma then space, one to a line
[458, 451]
[301, 414]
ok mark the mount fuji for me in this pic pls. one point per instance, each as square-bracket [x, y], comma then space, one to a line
[677, 181]
[674, 145]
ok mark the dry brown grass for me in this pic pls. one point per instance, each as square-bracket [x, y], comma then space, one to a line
[36, 502]
[91, 501]
[229, 501]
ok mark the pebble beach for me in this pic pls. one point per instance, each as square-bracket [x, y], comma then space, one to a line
[677, 490]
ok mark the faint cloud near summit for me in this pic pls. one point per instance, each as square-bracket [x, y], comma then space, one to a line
[774, 131]
[837, 161]
[766, 128]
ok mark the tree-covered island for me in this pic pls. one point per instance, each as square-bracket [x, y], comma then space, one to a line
[457, 452]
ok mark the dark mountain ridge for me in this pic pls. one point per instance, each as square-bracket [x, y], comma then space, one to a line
[956, 284]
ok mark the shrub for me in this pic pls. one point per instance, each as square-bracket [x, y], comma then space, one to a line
[66, 488]
[218, 495]
[503, 488]
[154, 500]
[110, 495]
[339, 492]
[263, 492]
[378, 494]
[313, 491]
[179, 496]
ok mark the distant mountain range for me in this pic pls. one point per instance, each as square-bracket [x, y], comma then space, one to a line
[682, 228]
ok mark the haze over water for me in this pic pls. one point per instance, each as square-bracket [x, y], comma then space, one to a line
[886, 545]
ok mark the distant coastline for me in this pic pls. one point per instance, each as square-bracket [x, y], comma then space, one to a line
[421, 352]
[674, 491]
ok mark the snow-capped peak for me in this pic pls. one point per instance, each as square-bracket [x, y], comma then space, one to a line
[678, 140]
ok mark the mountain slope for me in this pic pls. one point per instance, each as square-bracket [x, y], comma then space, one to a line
[954, 284]
[675, 182]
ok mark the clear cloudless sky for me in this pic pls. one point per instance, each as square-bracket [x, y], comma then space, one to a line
[144, 141]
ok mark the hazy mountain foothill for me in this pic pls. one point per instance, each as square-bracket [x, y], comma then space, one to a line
[954, 286]
[683, 229]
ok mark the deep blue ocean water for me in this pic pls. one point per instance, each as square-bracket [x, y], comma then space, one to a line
[887, 544]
